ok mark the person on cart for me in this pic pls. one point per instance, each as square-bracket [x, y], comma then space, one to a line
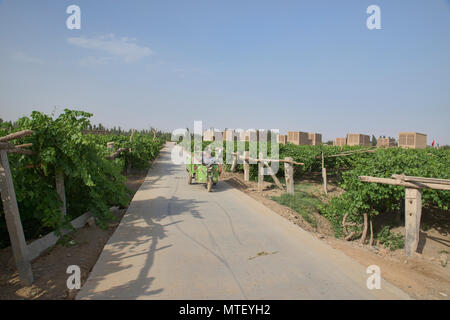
[208, 159]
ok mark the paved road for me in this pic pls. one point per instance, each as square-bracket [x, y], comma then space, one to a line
[178, 241]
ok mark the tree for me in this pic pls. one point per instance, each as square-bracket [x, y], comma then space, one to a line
[374, 141]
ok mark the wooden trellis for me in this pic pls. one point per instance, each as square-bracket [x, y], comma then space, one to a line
[10, 207]
[413, 202]
[23, 253]
[288, 170]
[342, 154]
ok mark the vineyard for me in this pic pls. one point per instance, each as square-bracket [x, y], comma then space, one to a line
[41, 153]
[353, 212]
[93, 181]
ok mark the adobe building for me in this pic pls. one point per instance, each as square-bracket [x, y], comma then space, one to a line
[298, 138]
[282, 139]
[385, 142]
[228, 135]
[249, 135]
[357, 139]
[412, 140]
[339, 142]
[315, 138]
[208, 135]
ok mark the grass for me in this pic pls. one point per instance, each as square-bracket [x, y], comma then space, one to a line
[391, 240]
[302, 201]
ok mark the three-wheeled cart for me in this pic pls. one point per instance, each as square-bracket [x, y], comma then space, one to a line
[202, 173]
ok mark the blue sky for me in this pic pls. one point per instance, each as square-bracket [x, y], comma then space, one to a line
[292, 65]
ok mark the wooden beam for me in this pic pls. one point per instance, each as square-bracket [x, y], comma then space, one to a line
[16, 135]
[22, 151]
[420, 179]
[272, 160]
[31, 166]
[395, 182]
[347, 153]
[14, 149]
[116, 153]
[6, 146]
[13, 223]
[25, 145]
[291, 162]
[281, 160]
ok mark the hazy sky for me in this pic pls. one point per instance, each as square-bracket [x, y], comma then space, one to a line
[292, 65]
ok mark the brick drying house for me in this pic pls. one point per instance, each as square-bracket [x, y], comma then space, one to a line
[412, 140]
[228, 135]
[316, 138]
[357, 139]
[298, 138]
[250, 135]
[282, 138]
[385, 142]
[208, 135]
[340, 142]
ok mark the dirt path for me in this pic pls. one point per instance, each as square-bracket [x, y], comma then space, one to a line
[421, 276]
[178, 241]
[50, 268]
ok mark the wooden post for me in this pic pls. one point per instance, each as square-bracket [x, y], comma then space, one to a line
[260, 173]
[324, 176]
[246, 166]
[413, 213]
[413, 202]
[128, 165]
[59, 177]
[289, 175]
[13, 223]
[129, 150]
[233, 165]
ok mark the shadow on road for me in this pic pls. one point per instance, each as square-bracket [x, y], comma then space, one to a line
[142, 221]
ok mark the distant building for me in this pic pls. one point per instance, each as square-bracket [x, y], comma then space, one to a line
[385, 142]
[412, 140]
[228, 135]
[357, 139]
[282, 138]
[298, 138]
[208, 135]
[340, 142]
[249, 135]
[316, 139]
